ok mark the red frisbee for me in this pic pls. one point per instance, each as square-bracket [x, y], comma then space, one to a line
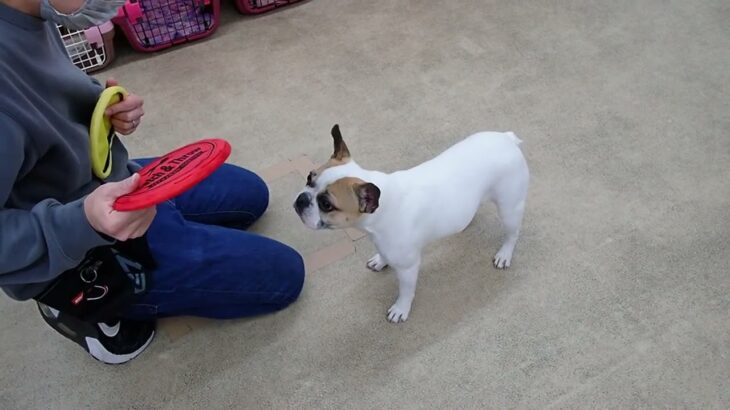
[175, 173]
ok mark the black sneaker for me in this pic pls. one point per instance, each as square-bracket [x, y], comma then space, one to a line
[110, 343]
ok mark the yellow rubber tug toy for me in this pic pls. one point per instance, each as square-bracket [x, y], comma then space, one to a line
[101, 131]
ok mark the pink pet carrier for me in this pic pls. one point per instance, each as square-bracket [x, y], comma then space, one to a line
[261, 6]
[152, 25]
[91, 49]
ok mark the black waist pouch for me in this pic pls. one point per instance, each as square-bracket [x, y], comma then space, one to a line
[108, 280]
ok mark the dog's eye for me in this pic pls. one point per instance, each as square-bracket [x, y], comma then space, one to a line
[310, 179]
[324, 204]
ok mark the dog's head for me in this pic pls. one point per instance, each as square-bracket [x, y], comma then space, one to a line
[334, 197]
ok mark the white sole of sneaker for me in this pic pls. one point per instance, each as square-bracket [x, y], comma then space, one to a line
[101, 354]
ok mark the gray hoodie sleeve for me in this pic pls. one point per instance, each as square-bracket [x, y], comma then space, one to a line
[36, 245]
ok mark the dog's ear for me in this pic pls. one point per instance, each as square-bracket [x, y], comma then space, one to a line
[368, 196]
[341, 152]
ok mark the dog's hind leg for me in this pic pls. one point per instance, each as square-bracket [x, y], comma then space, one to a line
[511, 216]
[510, 199]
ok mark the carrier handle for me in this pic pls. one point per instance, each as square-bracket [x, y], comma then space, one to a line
[94, 35]
[131, 11]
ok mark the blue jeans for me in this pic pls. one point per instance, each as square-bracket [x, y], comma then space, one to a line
[208, 265]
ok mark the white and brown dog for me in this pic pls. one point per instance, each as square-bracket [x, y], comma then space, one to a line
[405, 210]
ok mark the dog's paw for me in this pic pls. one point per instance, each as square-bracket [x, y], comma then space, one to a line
[399, 312]
[376, 263]
[503, 258]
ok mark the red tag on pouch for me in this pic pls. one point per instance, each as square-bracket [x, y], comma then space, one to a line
[78, 298]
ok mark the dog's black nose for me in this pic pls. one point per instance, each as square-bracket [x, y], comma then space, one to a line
[303, 201]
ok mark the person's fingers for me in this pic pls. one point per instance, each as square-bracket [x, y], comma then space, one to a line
[146, 223]
[124, 127]
[141, 223]
[129, 116]
[129, 231]
[99, 211]
[114, 190]
[130, 223]
[122, 106]
[129, 103]
[111, 82]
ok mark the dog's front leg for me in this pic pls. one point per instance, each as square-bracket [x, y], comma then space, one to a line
[407, 278]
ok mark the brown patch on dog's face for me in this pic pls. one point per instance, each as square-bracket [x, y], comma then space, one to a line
[344, 201]
[331, 199]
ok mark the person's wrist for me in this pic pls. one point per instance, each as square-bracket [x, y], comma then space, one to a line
[88, 212]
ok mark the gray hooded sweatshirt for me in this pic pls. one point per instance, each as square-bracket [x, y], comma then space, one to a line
[45, 168]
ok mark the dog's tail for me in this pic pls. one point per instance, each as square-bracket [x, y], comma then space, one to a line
[514, 137]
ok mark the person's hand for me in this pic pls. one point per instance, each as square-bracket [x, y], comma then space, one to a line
[126, 114]
[98, 207]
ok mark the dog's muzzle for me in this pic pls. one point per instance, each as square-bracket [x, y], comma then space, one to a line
[302, 202]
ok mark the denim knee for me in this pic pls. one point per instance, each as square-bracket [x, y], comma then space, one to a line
[292, 272]
[255, 187]
[261, 193]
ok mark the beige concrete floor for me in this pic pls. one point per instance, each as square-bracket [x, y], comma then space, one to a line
[619, 293]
